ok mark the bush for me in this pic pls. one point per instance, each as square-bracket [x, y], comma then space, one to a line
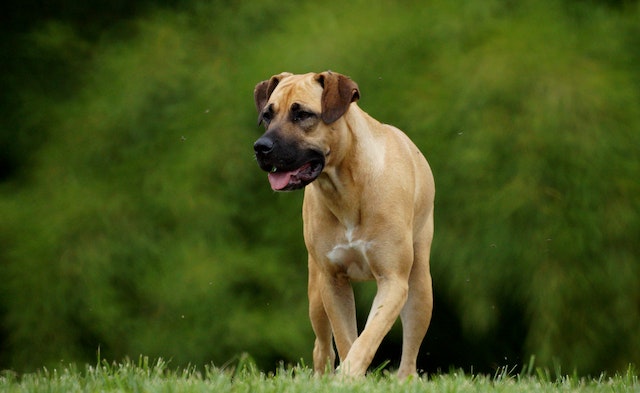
[138, 222]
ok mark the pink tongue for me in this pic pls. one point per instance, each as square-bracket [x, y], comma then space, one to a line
[279, 180]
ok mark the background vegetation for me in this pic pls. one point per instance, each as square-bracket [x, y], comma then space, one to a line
[133, 217]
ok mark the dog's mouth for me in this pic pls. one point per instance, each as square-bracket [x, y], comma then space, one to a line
[288, 180]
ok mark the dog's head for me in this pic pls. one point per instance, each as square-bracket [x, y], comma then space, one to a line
[297, 112]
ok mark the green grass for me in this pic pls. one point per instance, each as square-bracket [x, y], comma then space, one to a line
[244, 376]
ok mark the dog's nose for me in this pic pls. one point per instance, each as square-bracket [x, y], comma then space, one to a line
[263, 146]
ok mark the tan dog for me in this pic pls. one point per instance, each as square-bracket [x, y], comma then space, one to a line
[367, 211]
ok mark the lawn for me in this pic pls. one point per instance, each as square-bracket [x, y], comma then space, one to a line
[148, 376]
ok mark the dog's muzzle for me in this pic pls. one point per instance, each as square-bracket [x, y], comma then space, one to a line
[289, 168]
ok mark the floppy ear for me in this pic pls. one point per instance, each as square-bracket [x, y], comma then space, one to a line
[263, 90]
[339, 92]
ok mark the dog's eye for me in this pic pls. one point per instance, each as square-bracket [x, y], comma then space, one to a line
[299, 116]
[266, 117]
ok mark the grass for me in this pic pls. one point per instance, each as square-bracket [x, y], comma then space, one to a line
[146, 376]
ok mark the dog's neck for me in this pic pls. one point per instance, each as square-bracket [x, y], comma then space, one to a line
[344, 175]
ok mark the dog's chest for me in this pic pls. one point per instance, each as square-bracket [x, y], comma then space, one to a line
[350, 254]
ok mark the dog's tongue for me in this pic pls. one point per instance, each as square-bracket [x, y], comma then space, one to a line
[280, 180]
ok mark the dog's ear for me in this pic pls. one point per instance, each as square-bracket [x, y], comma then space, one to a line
[263, 90]
[338, 93]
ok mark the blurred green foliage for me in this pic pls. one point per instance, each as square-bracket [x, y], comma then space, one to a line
[134, 218]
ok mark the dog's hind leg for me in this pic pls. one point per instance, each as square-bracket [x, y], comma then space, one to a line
[416, 313]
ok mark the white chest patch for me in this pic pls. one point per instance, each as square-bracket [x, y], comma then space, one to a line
[352, 255]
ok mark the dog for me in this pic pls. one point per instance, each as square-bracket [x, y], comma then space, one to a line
[367, 213]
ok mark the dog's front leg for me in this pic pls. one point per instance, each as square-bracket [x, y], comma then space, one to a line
[339, 303]
[323, 354]
[389, 300]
